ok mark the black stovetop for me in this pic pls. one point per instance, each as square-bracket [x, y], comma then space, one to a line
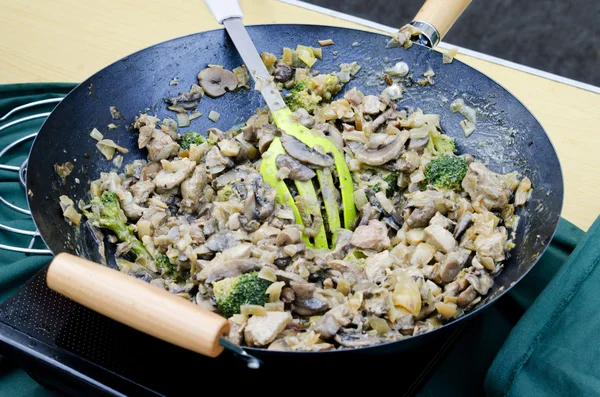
[72, 349]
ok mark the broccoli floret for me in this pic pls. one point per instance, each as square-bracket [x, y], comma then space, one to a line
[445, 173]
[300, 97]
[391, 180]
[191, 137]
[105, 212]
[233, 292]
[440, 144]
[163, 262]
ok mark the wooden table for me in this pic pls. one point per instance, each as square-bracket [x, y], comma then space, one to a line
[68, 40]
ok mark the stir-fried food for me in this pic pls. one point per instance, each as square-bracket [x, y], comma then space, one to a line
[197, 218]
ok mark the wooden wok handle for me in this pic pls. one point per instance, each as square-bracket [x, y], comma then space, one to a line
[137, 304]
[441, 14]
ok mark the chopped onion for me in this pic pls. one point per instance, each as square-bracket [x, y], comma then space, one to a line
[112, 126]
[195, 114]
[97, 135]
[107, 151]
[183, 120]
[118, 161]
[318, 52]
[324, 43]
[448, 57]
[306, 55]
[239, 319]
[177, 109]
[379, 325]
[275, 306]
[111, 143]
[253, 310]
[267, 273]
[214, 116]
[274, 291]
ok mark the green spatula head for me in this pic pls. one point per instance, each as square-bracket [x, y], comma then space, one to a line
[317, 198]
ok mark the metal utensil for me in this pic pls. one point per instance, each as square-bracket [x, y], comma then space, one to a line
[228, 13]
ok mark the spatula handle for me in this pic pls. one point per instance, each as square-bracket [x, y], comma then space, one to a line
[224, 9]
[137, 304]
[441, 15]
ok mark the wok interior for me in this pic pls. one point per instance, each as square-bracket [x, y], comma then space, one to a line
[507, 138]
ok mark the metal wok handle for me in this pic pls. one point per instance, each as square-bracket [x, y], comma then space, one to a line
[436, 17]
[137, 304]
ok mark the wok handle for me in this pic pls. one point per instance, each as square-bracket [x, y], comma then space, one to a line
[224, 9]
[137, 304]
[440, 15]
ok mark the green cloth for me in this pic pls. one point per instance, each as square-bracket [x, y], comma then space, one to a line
[540, 357]
[17, 268]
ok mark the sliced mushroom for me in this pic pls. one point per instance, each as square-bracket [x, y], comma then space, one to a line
[264, 142]
[418, 143]
[216, 81]
[282, 72]
[309, 307]
[420, 217]
[221, 241]
[231, 268]
[298, 150]
[356, 339]
[186, 100]
[289, 277]
[452, 263]
[463, 223]
[466, 297]
[383, 155]
[298, 171]
[287, 236]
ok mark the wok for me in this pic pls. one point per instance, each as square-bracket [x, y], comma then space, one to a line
[508, 137]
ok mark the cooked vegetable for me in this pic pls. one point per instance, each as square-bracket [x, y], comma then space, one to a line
[190, 138]
[324, 43]
[433, 228]
[446, 173]
[105, 212]
[440, 144]
[233, 292]
[300, 97]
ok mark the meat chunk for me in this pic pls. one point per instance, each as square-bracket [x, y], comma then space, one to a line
[161, 146]
[262, 330]
[440, 238]
[452, 264]
[375, 266]
[481, 283]
[479, 181]
[141, 191]
[372, 236]
[492, 245]
[145, 125]
[523, 192]
[216, 162]
[371, 104]
[113, 183]
[441, 220]
[420, 217]
[173, 173]
[327, 326]
[236, 332]
[192, 188]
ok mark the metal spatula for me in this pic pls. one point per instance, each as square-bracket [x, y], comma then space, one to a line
[228, 13]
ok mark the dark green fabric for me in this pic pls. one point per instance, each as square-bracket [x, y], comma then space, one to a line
[463, 370]
[16, 268]
[554, 349]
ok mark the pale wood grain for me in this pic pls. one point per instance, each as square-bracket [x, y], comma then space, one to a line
[138, 304]
[68, 40]
[441, 14]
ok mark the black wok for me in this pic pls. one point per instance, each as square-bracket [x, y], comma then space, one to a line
[508, 136]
